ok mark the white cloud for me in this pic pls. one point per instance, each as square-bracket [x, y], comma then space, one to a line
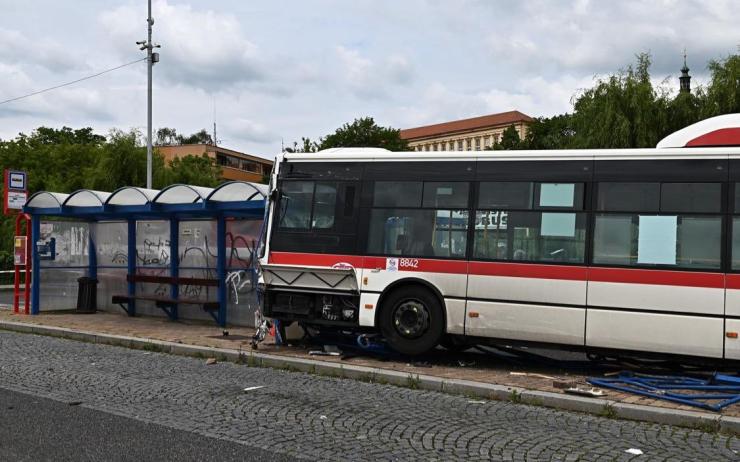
[248, 130]
[204, 49]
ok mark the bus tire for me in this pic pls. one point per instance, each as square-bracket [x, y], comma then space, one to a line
[411, 320]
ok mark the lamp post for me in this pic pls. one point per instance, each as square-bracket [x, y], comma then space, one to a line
[151, 58]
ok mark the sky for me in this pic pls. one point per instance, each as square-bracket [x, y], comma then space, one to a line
[271, 72]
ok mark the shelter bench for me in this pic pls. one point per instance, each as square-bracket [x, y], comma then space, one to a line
[168, 304]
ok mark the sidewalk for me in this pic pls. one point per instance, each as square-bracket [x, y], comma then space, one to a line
[469, 373]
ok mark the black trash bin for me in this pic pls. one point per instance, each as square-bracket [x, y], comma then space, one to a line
[87, 295]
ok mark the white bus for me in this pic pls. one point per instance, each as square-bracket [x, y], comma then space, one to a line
[605, 250]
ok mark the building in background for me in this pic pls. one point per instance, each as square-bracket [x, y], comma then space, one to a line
[474, 134]
[234, 165]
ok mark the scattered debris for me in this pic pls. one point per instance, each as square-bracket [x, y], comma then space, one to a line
[529, 374]
[563, 384]
[329, 350]
[210, 361]
[476, 401]
[419, 364]
[323, 417]
[634, 451]
[462, 363]
[74, 403]
[225, 333]
[254, 388]
[589, 392]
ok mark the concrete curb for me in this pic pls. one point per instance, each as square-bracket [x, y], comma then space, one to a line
[607, 408]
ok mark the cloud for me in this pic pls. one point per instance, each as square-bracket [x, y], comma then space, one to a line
[248, 130]
[42, 52]
[368, 79]
[203, 49]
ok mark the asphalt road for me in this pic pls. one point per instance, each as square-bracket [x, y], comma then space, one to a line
[40, 429]
[172, 403]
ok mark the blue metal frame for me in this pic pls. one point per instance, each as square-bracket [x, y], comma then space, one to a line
[203, 209]
[723, 389]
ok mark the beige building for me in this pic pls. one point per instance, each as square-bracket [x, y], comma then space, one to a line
[474, 134]
[234, 165]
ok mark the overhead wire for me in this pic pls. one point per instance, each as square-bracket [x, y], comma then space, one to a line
[72, 82]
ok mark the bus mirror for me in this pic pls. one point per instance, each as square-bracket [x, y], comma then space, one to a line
[401, 241]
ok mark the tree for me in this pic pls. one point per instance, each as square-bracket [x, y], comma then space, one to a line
[167, 136]
[194, 170]
[550, 133]
[621, 111]
[365, 133]
[199, 137]
[306, 146]
[723, 91]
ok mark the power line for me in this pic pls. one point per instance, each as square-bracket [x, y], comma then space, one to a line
[72, 82]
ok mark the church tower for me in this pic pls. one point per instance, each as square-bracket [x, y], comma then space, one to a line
[685, 78]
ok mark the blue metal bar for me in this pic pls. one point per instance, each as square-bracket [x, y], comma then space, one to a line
[92, 258]
[174, 265]
[221, 269]
[35, 264]
[131, 266]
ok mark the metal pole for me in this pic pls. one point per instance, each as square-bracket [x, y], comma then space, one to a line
[149, 64]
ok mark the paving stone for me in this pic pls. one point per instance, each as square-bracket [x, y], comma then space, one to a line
[362, 421]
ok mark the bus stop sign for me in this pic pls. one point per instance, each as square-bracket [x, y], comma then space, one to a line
[15, 191]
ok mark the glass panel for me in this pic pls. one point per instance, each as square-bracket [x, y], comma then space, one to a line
[679, 241]
[691, 197]
[397, 194]
[324, 206]
[736, 242]
[505, 195]
[153, 243]
[613, 239]
[295, 204]
[418, 233]
[530, 236]
[445, 194]
[699, 242]
[557, 195]
[628, 197]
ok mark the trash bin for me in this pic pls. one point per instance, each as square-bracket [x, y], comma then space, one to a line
[87, 295]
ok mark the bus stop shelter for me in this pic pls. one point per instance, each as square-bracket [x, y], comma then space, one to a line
[152, 251]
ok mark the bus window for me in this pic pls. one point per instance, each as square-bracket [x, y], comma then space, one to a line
[325, 201]
[628, 197]
[418, 232]
[648, 240]
[295, 204]
[505, 195]
[445, 194]
[397, 194]
[530, 236]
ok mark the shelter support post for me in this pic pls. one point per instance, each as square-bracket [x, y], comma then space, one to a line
[221, 269]
[92, 259]
[174, 265]
[131, 306]
[35, 264]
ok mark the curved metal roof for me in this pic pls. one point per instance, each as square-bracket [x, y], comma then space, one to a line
[131, 195]
[86, 198]
[238, 191]
[46, 200]
[236, 197]
[182, 194]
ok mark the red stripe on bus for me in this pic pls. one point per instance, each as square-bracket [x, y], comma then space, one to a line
[521, 270]
[313, 259]
[657, 277]
[525, 270]
[732, 281]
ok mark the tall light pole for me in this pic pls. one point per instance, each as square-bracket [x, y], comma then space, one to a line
[151, 58]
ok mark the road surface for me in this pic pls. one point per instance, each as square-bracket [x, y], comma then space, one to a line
[294, 414]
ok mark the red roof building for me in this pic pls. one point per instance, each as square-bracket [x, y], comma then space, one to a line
[472, 134]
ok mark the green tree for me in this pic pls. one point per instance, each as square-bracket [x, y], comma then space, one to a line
[361, 133]
[621, 111]
[723, 91]
[194, 170]
[199, 137]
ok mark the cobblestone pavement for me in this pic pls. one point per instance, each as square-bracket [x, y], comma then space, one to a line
[324, 418]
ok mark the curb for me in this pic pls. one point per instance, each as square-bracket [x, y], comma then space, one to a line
[601, 407]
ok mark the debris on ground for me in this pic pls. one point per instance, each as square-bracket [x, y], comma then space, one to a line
[462, 363]
[329, 350]
[563, 384]
[254, 388]
[634, 451]
[210, 361]
[476, 401]
[589, 392]
[530, 374]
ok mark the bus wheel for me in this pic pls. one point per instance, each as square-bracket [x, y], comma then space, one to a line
[411, 320]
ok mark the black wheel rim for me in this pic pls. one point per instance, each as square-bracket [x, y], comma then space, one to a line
[411, 318]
